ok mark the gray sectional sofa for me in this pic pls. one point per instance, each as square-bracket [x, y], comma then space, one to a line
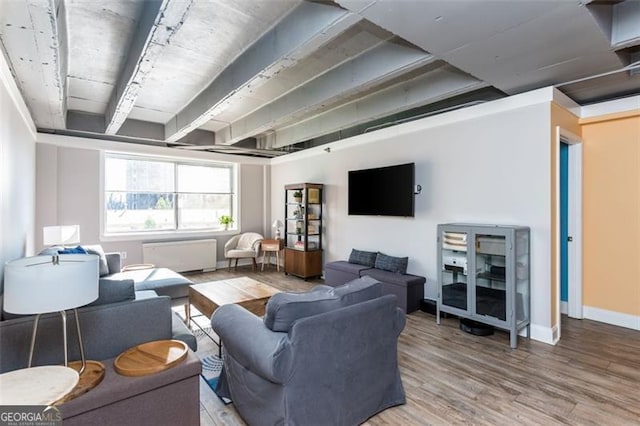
[409, 289]
[119, 319]
[163, 281]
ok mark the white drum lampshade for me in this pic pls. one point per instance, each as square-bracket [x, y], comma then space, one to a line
[36, 285]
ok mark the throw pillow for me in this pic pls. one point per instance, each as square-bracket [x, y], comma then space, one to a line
[366, 258]
[392, 264]
[72, 250]
[97, 249]
[114, 291]
[283, 309]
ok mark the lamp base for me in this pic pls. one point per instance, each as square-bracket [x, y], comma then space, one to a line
[89, 379]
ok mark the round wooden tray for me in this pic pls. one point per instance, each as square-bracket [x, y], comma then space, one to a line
[89, 379]
[150, 357]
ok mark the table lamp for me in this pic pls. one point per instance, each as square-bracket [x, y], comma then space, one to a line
[43, 284]
[60, 235]
[277, 224]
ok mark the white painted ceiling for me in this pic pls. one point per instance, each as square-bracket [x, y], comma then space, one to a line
[263, 76]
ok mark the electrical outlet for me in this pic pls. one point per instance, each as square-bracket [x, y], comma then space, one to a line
[123, 254]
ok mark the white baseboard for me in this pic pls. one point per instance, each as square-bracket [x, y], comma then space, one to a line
[611, 317]
[564, 308]
[542, 334]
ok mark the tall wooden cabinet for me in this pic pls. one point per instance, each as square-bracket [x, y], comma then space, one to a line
[303, 230]
[484, 275]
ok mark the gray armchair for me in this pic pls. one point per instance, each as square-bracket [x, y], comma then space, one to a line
[243, 246]
[326, 357]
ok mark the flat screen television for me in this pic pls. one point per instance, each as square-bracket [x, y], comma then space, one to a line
[383, 191]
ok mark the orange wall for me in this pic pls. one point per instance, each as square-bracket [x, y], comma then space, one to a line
[611, 212]
[566, 120]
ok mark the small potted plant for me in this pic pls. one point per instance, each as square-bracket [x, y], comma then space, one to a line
[226, 220]
[297, 196]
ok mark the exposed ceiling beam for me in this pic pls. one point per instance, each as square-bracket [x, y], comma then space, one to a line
[432, 86]
[159, 22]
[527, 50]
[34, 36]
[372, 68]
[302, 31]
[231, 149]
[136, 129]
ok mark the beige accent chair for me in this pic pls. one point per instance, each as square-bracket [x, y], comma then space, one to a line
[243, 246]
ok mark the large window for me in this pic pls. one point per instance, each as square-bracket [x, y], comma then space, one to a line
[150, 195]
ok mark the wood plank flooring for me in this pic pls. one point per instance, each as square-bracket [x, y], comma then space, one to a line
[592, 377]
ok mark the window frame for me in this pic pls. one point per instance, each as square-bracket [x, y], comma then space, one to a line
[163, 234]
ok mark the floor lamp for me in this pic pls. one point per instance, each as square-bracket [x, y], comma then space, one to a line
[44, 284]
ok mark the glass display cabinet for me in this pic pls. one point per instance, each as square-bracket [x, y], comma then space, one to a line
[303, 230]
[484, 275]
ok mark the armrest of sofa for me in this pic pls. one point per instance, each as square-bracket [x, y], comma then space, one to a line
[114, 262]
[251, 343]
[107, 330]
[95, 407]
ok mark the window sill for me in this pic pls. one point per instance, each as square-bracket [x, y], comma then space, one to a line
[167, 235]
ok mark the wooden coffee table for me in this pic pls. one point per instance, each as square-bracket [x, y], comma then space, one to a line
[244, 291]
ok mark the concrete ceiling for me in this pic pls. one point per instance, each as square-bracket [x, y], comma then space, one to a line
[260, 77]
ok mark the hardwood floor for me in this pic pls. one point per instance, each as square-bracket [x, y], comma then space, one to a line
[592, 377]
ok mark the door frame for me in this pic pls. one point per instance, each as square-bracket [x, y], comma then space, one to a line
[574, 223]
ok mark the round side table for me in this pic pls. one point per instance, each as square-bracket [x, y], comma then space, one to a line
[42, 385]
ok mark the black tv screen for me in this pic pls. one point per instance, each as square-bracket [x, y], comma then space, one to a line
[383, 191]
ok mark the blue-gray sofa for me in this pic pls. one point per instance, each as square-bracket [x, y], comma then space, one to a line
[163, 281]
[119, 319]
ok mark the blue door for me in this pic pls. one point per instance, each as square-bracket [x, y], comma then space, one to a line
[564, 222]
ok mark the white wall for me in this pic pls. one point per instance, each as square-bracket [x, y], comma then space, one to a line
[17, 173]
[494, 168]
[254, 213]
[69, 191]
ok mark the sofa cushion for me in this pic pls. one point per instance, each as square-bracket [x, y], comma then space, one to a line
[341, 265]
[114, 291]
[358, 290]
[97, 249]
[283, 309]
[366, 258]
[93, 249]
[391, 263]
[394, 278]
[163, 281]
[241, 254]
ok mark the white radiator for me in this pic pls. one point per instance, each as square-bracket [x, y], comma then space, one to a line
[182, 256]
